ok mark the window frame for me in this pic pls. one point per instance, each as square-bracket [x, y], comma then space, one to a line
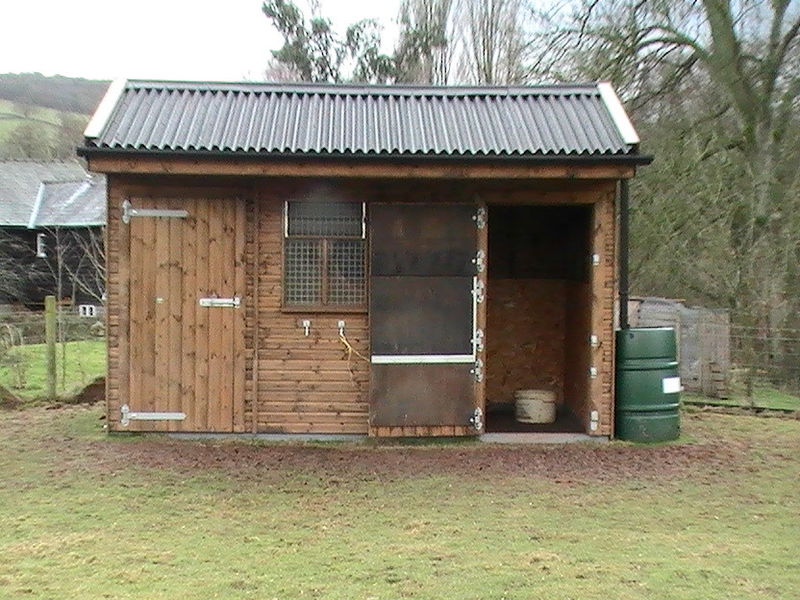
[324, 306]
[41, 245]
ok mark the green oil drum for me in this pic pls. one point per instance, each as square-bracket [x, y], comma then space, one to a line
[648, 385]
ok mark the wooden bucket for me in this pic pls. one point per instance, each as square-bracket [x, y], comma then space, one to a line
[535, 406]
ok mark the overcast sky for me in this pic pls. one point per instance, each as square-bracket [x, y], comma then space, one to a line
[156, 39]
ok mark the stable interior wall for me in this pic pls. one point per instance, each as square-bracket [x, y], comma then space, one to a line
[539, 304]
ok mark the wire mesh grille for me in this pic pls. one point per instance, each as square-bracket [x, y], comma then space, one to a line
[346, 272]
[302, 278]
[325, 219]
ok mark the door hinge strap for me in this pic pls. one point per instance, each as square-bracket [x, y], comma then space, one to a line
[234, 302]
[477, 370]
[479, 261]
[479, 291]
[127, 415]
[480, 218]
[477, 341]
[128, 212]
[476, 420]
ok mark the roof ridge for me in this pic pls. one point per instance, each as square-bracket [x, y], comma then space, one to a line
[63, 161]
[367, 89]
[82, 180]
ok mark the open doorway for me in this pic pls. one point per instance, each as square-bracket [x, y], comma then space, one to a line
[538, 314]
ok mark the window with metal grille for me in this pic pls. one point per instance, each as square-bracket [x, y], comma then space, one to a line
[324, 256]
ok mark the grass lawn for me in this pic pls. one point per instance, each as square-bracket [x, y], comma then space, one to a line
[10, 117]
[90, 516]
[83, 362]
[763, 397]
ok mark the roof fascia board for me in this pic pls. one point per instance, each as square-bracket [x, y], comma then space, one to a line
[617, 112]
[473, 170]
[99, 119]
[36, 207]
[497, 159]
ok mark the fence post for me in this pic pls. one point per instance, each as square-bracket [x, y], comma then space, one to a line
[50, 339]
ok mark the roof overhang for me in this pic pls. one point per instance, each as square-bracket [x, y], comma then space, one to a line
[618, 114]
[364, 166]
[99, 119]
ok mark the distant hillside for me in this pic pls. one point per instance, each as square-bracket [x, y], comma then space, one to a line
[64, 94]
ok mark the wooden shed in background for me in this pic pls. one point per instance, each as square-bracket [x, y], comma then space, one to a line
[391, 261]
[703, 336]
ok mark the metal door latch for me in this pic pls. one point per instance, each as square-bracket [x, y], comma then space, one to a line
[234, 302]
[127, 415]
[476, 420]
[128, 212]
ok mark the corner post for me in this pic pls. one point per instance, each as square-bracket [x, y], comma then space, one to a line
[624, 223]
[50, 339]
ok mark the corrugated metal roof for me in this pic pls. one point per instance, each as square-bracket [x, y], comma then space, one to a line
[329, 120]
[19, 185]
[71, 204]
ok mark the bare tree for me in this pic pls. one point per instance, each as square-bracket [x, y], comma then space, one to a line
[717, 82]
[497, 43]
[425, 48]
[12, 269]
[84, 261]
[465, 41]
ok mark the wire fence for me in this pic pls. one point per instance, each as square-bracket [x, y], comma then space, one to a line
[721, 361]
[727, 358]
[79, 351]
[765, 366]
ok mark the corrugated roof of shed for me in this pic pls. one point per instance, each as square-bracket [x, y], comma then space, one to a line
[71, 204]
[339, 120]
[19, 185]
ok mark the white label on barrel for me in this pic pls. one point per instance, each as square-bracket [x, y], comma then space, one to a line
[671, 385]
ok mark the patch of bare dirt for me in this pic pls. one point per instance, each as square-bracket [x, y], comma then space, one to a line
[8, 399]
[566, 463]
[338, 463]
[92, 393]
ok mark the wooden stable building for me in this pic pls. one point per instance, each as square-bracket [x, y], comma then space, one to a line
[386, 261]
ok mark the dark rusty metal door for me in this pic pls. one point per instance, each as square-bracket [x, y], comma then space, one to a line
[423, 315]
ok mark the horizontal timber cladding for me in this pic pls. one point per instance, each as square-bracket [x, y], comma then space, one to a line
[312, 383]
[316, 384]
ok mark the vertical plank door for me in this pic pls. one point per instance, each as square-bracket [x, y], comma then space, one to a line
[186, 357]
[423, 316]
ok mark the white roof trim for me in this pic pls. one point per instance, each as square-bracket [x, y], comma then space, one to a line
[37, 205]
[617, 112]
[104, 110]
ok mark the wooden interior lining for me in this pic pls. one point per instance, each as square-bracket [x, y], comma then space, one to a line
[526, 337]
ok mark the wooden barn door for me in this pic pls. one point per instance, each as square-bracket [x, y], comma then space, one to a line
[424, 312]
[186, 321]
